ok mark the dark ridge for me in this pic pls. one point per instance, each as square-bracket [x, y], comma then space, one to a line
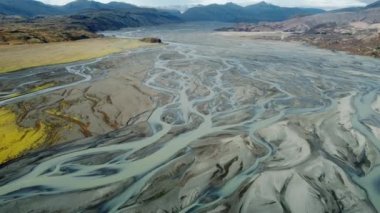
[231, 12]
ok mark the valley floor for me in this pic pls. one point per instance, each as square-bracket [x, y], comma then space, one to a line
[206, 123]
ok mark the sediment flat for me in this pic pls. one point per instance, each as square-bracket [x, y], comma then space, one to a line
[273, 35]
[64, 102]
[17, 57]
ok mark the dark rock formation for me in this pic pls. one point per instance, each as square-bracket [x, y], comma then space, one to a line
[151, 40]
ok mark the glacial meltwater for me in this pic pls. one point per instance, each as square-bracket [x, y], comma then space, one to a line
[237, 125]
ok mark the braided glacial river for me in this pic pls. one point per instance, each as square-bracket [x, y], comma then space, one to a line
[238, 126]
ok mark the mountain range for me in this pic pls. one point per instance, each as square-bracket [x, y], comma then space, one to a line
[226, 13]
[231, 12]
[314, 23]
[29, 8]
[373, 5]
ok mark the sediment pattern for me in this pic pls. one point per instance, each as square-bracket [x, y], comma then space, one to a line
[237, 127]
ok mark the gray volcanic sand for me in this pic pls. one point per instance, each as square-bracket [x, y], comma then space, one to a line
[86, 99]
[240, 126]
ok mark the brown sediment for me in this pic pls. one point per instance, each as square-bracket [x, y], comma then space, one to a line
[83, 127]
[93, 99]
[107, 120]
[23, 111]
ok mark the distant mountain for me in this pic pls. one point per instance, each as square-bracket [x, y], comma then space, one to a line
[348, 9]
[269, 12]
[30, 8]
[214, 12]
[229, 12]
[81, 5]
[171, 11]
[27, 8]
[254, 13]
[374, 5]
[101, 20]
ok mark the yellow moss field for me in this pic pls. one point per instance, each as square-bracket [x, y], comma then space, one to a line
[43, 86]
[16, 57]
[15, 140]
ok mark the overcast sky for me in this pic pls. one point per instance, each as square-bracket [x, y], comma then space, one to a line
[327, 4]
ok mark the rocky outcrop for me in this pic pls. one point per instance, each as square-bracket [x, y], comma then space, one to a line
[151, 40]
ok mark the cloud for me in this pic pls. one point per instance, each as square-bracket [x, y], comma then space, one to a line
[55, 2]
[290, 3]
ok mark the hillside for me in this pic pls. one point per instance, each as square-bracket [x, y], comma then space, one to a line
[18, 30]
[374, 5]
[268, 12]
[305, 24]
[27, 8]
[254, 13]
[357, 32]
[100, 20]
